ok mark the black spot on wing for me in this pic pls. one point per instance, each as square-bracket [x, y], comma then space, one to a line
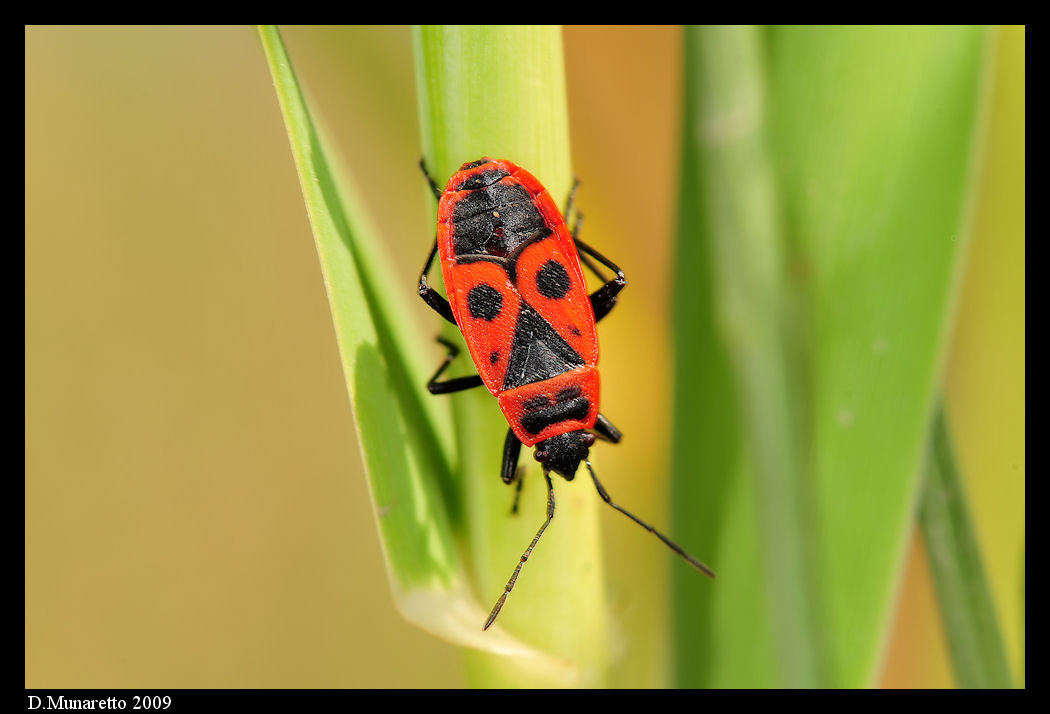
[552, 280]
[484, 302]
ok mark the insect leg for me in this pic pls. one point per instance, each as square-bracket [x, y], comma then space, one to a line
[576, 227]
[569, 200]
[525, 555]
[604, 298]
[667, 541]
[584, 258]
[517, 494]
[431, 296]
[509, 472]
[606, 430]
[511, 451]
[451, 385]
[433, 186]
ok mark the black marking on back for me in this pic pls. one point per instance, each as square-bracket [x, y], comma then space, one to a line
[568, 393]
[482, 179]
[552, 280]
[481, 258]
[484, 302]
[536, 403]
[495, 220]
[475, 164]
[538, 353]
[535, 422]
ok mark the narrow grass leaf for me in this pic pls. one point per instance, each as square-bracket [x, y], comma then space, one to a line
[870, 136]
[401, 432]
[738, 190]
[974, 640]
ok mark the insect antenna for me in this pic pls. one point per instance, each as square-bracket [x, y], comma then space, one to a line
[526, 554]
[667, 541]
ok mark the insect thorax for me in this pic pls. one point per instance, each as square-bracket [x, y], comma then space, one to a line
[495, 219]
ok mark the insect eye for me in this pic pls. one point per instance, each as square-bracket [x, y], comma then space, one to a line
[588, 440]
[541, 456]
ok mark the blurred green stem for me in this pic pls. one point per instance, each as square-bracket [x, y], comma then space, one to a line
[500, 92]
[739, 191]
[977, 652]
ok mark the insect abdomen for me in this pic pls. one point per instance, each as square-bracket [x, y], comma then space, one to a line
[567, 402]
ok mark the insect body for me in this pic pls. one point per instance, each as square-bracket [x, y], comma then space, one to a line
[516, 290]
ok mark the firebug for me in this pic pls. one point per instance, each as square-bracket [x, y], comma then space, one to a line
[516, 290]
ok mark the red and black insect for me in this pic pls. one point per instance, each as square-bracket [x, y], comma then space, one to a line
[516, 290]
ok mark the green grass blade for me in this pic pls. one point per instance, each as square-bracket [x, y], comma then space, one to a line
[825, 285]
[739, 194]
[712, 492]
[984, 386]
[500, 92]
[401, 430]
[976, 647]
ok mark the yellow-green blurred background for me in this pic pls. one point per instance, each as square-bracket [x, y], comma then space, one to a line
[196, 513]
